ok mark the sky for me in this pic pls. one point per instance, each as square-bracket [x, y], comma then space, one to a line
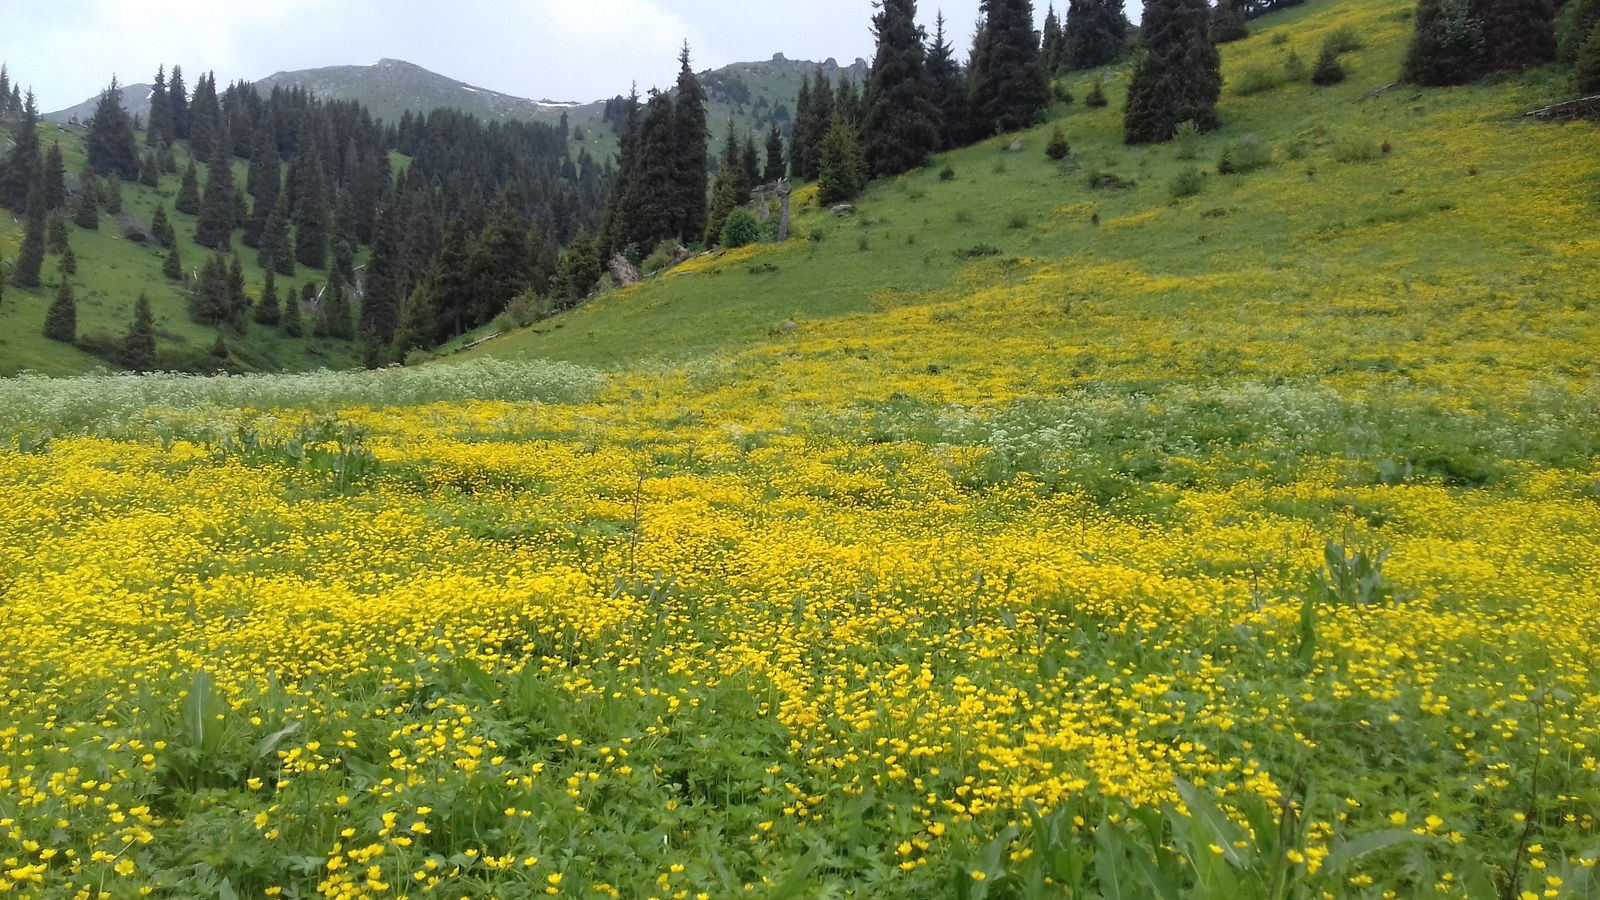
[67, 50]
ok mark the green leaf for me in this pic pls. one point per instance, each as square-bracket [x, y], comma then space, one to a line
[1110, 864]
[270, 742]
[796, 881]
[1371, 842]
[1217, 827]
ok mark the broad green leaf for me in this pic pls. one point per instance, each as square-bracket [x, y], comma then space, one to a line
[1371, 842]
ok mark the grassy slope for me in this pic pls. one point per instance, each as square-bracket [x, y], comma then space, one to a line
[1472, 210]
[113, 271]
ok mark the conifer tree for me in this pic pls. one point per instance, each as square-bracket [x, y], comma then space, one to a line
[336, 319]
[750, 160]
[69, 263]
[381, 294]
[22, 166]
[1052, 46]
[1094, 34]
[188, 199]
[901, 129]
[847, 103]
[158, 128]
[5, 90]
[344, 260]
[87, 215]
[1009, 90]
[293, 322]
[61, 319]
[111, 144]
[1178, 77]
[215, 226]
[579, 271]
[1517, 34]
[268, 312]
[161, 229]
[730, 189]
[178, 100]
[774, 169]
[946, 88]
[150, 169]
[208, 297]
[843, 169]
[1446, 46]
[172, 266]
[1327, 71]
[311, 209]
[238, 300]
[56, 234]
[263, 183]
[799, 146]
[139, 345]
[689, 173]
[451, 295]
[276, 253]
[418, 321]
[815, 127]
[54, 178]
[1227, 22]
[207, 137]
[110, 193]
[30, 258]
[500, 263]
[1588, 65]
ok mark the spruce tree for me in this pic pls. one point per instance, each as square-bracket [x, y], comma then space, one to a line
[268, 312]
[1052, 46]
[158, 128]
[381, 294]
[814, 128]
[178, 100]
[5, 90]
[843, 169]
[336, 319]
[238, 300]
[214, 228]
[1327, 71]
[417, 325]
[207, 136]
[293, 322]
[689, 173]
[263, 183]
[22, 166]
[161, 229]
[111, 144]
[901, 129]
[54, 178]
[87, 215]
[1588, 65]
[730, 189]
[1446, 45]
[311, 209]
[1094, 34]
[1517, 34]
[1178, 77]
[1228, 22]
[579, 271]
[208, 297]
[56, 234]
[150, 169]
[188, 199]
[69, 263]
[172, 266]
[275, 251]
[946, 88]
[1009, 89]
[30, 258]
[847, 103]
[110, 193]
[799, 145]
[139, 345]
[750, 160]
[451, 295]
[500, 263]
[773, 171]
[61, 319]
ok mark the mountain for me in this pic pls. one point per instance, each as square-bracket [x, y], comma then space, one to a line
[389, 87]
[135, 99]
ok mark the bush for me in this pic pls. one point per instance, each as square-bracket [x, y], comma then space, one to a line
[742, 229]
[947, 174]
[1187, 137]
[1110, 181]
[524, 309]
[1344, 40]
[1588, 65]
[1356, 149]
[1058, 148]
[1256, 80]
[1096, 98]
[1294, 69]
[1061, 94]
[1188, 183]
[1017, 220]
[1248, 155]
[660, 258]
[1327, 70]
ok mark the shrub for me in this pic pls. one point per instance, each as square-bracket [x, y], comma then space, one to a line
[1110, 181]
[1018, 219]
[742, 229]
[1096, 98]
[1061, 94]
[1344, 40]
[1294, 69]
[1187, 137]
[1356, 149]
[1279, 39]
[1588, 65]
[977, 251]
[1248, 155]
[1058, 148]
[660, 258]
[863, 244]
[963, 217]
[524, 309]
[1188, 183]
[947, 174]
[1256, 80]
[1327, 70]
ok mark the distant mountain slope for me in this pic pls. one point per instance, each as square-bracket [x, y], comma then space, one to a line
[390, 87]
[135, 99]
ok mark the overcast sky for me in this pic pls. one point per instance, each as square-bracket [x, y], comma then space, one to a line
[543, 49]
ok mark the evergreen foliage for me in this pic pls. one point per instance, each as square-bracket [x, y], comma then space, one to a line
[311, 208]
[579, 271]
[293, 322]
[901, 127]
[268, 311]
[109, 191]
[208, 295]
[689, 173]
[22, 164]
[1228, 22]
[161, 229]
[1517, 34]
[1009, 88]
[1058, 148]
[451, 293]
[500, 264]
[946, 87]
[263, 183]
[68, 263]
[54, 178]
[207, 132]
[1178, 77]
[188, 199]
[1095, 33]
[1327, 71]
[30, 258]
[87, 213]
[740, 229]
[843, 170]
[731, 190]
[158, 127]
[215, 226]
[178, 101]
[112, 147]
[774, 169]
[1447, 46]
[381, 293]
[238, 300]
[750, 161]
[139, 344]
[417, 324]
[812, 126]
[1588, 65]
[799, 148]
[335, 319]
[1053, 44]
[56, 234]
[1575, 22]
[61, 319]
[172, 266]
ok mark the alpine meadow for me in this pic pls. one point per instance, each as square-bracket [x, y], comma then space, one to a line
[1150, 459]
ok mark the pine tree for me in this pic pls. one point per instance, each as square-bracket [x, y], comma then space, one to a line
[1327, 71]
[22, 166]
[158, 128]
[61, 319]
[172, 266]
[799, 146]
[161, 229]
[263, 184]
[1095, 33]
[1588, 65]
[293, 322]
[1517, 34]
[774, 168]
[87, 215]
[689, 173]
[69, 263]
[381, 294]
[847, 103]
[208, 297]
[111, 144]
[901, 129]
[54, 178]
[1052, 47]
[417, 325]
[1009, 90]
[275, 251]
[139, 345]
[335, 320]
[150, 169]
[843, 170]
[1447, 45]
[730, 189]
[750, 160]
[579, 271]
[946, 88]
[810, 132]
[110, 194]
[1228, 23]
[56, 234]
[451, 295]
[1178, 77]
[30, 258]
[215, 226]
[238, 300]
[188, 199]
[500, 264]
[207, 136]
[5, 90]
[268, 312]
[178, 99]
[311, 209]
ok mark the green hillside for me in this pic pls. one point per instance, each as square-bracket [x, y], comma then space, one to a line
[113, 270]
